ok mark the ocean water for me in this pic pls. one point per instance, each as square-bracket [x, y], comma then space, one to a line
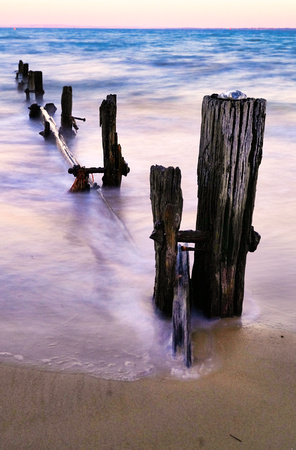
[77, 272]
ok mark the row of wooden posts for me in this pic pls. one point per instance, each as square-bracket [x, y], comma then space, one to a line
[114, 164]
[230, 153]
[29, 81]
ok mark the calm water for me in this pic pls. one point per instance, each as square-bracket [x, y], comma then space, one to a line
[76, 284]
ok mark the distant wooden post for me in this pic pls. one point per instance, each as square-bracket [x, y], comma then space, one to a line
[114, 163]
[20, 69]
[25, 70]
[167, 203]
[38, 81]
[181, 306]
[23, 74]
[31, 81]
[66, 103]
[229, 157]
[35, 82]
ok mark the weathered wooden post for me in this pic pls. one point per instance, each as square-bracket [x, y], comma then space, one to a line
[66, 103]
[229, 157]
[181, 306]
[114, 163]
[167, 203]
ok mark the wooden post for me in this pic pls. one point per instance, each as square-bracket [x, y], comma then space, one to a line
[35, 82]
[38, 81]
[22, 73]
[20, 69]
[181, 306]
[167, 203]
[66, 103]
[25, 70]
[114, 163]
[31, 81]
[229, 157]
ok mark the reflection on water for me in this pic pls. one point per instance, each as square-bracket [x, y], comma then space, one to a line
[76, 280]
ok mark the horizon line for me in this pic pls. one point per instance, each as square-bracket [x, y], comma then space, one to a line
[143, 28]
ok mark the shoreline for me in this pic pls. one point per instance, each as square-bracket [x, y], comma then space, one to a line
[248, 400]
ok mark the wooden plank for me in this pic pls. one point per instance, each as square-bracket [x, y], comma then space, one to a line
[51, 127]
[181, 307]
[193, 236]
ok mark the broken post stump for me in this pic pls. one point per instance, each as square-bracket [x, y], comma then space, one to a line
[114, 163]
[229, 157]
[50, 108]
[181, 307]
[167, 203]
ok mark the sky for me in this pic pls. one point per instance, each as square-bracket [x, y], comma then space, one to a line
[150, 13]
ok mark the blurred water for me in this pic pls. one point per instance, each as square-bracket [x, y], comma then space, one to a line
[76, 285]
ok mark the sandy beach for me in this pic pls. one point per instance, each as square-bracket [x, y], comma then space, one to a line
[248, 402]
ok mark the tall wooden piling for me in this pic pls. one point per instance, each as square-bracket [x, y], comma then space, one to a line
[66, 104]
[114, 163]
[167, 203]
[229, 157]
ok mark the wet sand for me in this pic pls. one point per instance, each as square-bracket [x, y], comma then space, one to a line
[248, 402]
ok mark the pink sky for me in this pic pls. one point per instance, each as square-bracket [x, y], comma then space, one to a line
[150, 13]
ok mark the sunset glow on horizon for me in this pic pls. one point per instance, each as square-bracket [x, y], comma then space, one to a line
[152, 14]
